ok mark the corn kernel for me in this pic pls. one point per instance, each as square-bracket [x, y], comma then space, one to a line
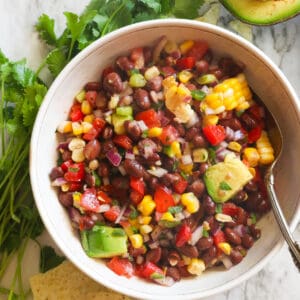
[200, 155]
[151, 73]
[89, 118]
[76, 199]
[136, 240]
[65, 127]
[154, 132]
[80, 96]
[64, 187]
[135, 150]
[78, 155]
[86, 127]
[93, 164]
[176, 150]
[147, 205]
[196, 266]
[225, 248]
[134, 222]
[234, 146]
[252, 156]
[186, 168]
[186, 259]
[214, 100]
[170, 47]
[265, 149]
[230, 103]
[86, 107]
[206, 226]
[252, 171]
[191, 202]
[185, 76]
[167, 216]
[210, 120]
[186, 46]
[76, 143]
[243, 106]
[144, 220]
[77, 128]
[145, 229]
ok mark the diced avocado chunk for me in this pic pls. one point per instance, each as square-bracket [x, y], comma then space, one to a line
[259, 12]
[104, 241]
[118, 122]
[223, 180]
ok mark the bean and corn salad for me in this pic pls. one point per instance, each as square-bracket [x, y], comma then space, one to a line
[160, 162]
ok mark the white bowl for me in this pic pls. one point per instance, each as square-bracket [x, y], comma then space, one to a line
[265, 79]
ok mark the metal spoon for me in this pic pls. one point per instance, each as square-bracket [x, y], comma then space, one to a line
[277, 141]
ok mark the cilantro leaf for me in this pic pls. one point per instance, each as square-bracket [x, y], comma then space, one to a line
[56, 60]
[205, 233]
[175, 209]
[49, 259]
[187, 8]
[45, 28]
[224, 186]
[21, 74]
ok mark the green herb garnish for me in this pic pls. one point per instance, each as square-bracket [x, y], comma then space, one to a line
[219, 208]
[198, 95]
[175, 209]
[205, 233]
[49, 259]
[224, 186]
[253, 218]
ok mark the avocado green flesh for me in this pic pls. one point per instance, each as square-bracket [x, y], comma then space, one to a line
[223, 180]
[263, 12]
[104, 241]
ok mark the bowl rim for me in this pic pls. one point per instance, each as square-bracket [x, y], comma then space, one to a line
[112, 36]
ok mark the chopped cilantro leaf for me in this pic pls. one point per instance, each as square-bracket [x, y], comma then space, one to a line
[205, 233]
[253, 218]
[219, 208]
[175, 209]
[49, 259]
[224, 186]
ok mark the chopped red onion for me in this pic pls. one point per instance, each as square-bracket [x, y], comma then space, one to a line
[63, 146]
[222, 154]
[193, 120]
[122, 170]
[227, 262]
[186, 159]
[121, 214]
[165, 281]
[240, 230]
[205, 89]
[114, 157]
[230, 134]
[186, 214]
[129, 155]
[238, 135]
[103, 208]
[58, 181]
[142, 125]
[158, 172]
[196, 235]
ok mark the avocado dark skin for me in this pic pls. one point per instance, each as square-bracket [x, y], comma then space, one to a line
[259, 12]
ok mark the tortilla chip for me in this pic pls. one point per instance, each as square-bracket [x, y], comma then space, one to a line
[66, 282]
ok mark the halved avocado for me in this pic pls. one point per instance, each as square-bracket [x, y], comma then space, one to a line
[263, 12]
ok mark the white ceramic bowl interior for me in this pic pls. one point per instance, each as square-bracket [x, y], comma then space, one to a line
[265, 79]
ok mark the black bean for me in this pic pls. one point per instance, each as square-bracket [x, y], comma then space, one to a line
[133, 168]
[240, 197]
[203, 167]
[154, 255]
[251, 186]
[232, 123]
[133, 130]
[209, 206]
[229, 67]
[124, 63]
[103, 169]
[120, 183]
[92, 149]
[248, 121]
[101, 101]
[174, 273]
[106, 146]
[153, 183]
[191, 133]
[247, 241]
[147, 147]
[112, 83]
[232, 236]
[56, 172]
[255, 232]
[205, 243]
[107, 132]
[66, 199]
[155, 84]
[189, 251]
[170, 178]
[209, 254]
[202, 66]
[86, 223]
[199, 141]
[235, 256]
[74, 215]
[142, 99]
[197, 187]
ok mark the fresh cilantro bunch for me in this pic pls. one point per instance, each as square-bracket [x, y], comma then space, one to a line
[101, 17]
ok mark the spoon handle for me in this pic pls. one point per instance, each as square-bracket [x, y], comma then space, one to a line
[293, 246]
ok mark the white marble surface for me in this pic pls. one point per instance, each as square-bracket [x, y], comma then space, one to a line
[279, 279]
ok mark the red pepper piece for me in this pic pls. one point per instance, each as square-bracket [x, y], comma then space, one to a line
[112, 214]
[98, 125]
[76, 114]
[150, 118]
[136, 197]
[66, 164]
[215, 134]
[183, 235]
[180, 186]
[185, 63]
[137, 184]
[254, 134]
[121, 266]
[74, 186]
[75, 172]
[219, 237]
[230, 209]
[149, 270]
[123, 141]
[103, 197]
[198, 50]
[169, 135]
[163, 199]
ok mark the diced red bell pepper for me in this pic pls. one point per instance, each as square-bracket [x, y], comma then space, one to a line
[169, 135]
[219, 237]
[256, 111]
[149, 270]
[113, 213]
[76, 114]
[123, 141]
[183, 235]
[103, 197]
[254, 134]
[98, 125]
[215, 134]
[198, 50]
[167, 71]
[150, 118]
[91, 97]
[180, 185]
[163, 199]
[74, 186]
[185, 63]
[121, 266]
[66, 164]
[136, 197]
[89, 201]
[137, 184]
[230, 209]
[75, 172]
